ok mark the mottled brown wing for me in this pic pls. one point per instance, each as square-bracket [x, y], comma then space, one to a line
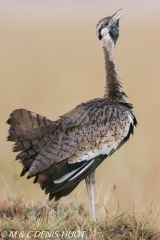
[81, 130]
[59, 148]
[30, 132]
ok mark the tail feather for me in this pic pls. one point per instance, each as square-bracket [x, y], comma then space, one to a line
[26, 154]
[24, 171]
[22, 145]
[30, 132]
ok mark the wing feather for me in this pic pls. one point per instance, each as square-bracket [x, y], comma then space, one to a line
[83, 130]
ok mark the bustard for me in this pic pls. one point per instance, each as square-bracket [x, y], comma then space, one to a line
[61, 153]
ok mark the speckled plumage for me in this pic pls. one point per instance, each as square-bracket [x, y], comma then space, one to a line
[62, 153]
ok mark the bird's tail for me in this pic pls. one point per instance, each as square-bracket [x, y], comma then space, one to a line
[30, 132]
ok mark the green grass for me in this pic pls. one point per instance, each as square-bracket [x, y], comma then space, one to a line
[69, 219]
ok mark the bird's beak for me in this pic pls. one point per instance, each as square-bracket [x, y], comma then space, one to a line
[115, 13]
[113, 17]
[120, 16]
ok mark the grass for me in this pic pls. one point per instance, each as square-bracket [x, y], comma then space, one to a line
[68, 221]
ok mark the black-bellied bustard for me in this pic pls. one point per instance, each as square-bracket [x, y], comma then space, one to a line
[61, 153]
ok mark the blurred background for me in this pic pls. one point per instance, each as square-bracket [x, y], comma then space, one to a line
[51, 60]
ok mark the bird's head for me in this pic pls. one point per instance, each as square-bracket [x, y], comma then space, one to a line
[109, 25]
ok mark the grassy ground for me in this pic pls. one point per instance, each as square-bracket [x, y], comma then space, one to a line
[68, 221]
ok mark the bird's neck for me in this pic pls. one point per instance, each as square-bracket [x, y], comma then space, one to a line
[113, 88]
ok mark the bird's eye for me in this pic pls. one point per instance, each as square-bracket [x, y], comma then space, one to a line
[105, 24]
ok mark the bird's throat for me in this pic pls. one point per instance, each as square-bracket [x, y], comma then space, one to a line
[113, 89]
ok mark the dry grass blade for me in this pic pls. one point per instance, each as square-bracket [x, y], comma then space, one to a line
[21, 216]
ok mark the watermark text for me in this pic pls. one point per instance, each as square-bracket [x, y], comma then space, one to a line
[42, 234]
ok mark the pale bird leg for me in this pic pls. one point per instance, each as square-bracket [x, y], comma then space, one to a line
[90, 181]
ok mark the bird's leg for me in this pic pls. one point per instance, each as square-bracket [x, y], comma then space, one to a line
[90, 181]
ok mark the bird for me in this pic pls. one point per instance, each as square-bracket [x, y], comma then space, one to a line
[60, 154]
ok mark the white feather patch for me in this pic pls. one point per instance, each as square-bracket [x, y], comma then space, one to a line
[82, 170]
[67, 175]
